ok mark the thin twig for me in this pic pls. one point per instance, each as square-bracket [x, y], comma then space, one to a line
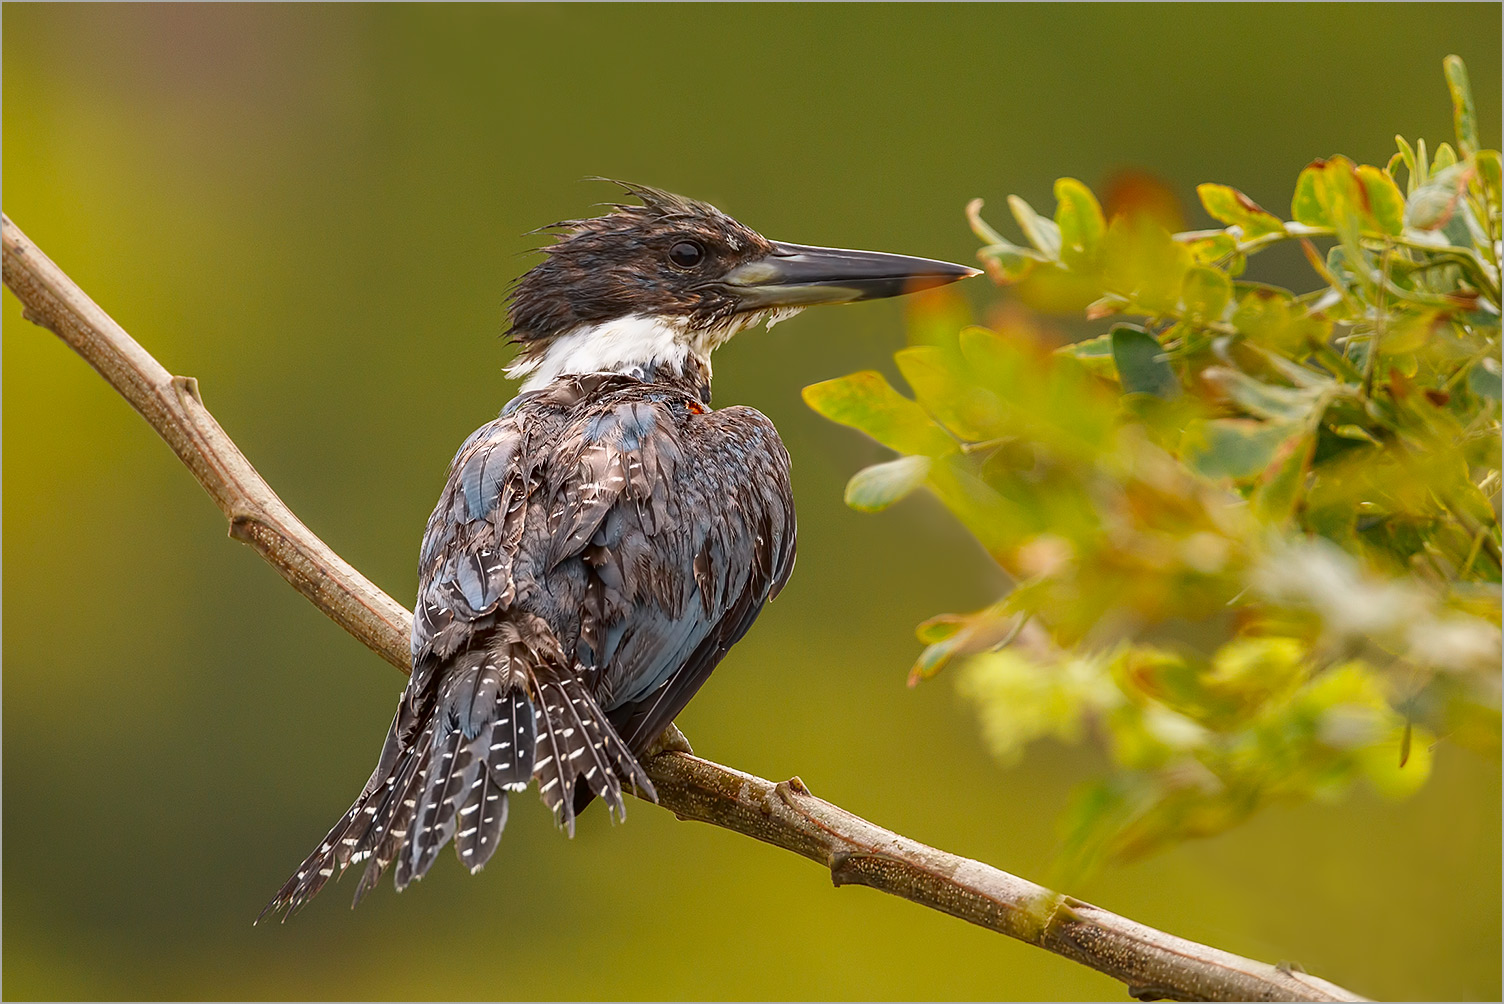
[1152, 963]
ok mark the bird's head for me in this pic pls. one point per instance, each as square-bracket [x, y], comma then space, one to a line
[660, 285]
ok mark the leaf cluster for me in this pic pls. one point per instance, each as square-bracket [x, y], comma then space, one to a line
[1253, 532]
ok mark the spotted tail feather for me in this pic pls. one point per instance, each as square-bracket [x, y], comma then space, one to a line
[351, 837]
[577, 744]
[394, 816]
[483, 746]
[503, 715]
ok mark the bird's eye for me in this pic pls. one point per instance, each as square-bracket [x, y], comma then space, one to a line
[686, 254]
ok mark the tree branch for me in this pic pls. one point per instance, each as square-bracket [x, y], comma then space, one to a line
[1152, 963]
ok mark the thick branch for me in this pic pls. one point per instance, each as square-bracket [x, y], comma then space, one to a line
[1153, 964]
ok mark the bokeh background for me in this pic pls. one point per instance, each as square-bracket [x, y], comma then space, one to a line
[315, 211]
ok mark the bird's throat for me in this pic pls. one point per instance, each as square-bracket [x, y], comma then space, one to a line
[650, 347]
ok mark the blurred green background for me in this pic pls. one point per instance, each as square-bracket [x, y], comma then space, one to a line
[315, 211]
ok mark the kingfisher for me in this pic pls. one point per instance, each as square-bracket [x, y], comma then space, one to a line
[600, 546]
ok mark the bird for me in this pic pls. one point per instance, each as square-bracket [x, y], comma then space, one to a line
[600, 546]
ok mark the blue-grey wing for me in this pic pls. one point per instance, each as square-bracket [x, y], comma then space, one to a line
[699, 535]
[647, 532]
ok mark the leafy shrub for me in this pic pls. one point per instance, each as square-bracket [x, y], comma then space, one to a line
[1253, 533]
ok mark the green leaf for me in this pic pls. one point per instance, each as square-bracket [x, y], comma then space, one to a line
[1409, 331]
[1407, 155]
[1437, 202]
[981, 227]
[1308, 205]
[945, 389]
[1143, 263]
[1042, 233]
[1009, 263]
[880, 485]
[1141, 363]
[952, 636]
[1264, 316]
[1079, 219]
[992, 519]
[1237, 448]
[939, 628]
[1355, 432]
[1204, 294]
[1278, 493]
[1385, 203]
[1464, 116]
[1337, 193]
[1483, 379]
[1228, 205]
[1488, 171]
[1094, 354]
[1214, 248]
[866, 401]
[1262, 400]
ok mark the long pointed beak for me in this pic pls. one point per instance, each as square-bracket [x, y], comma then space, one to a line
[797, 275]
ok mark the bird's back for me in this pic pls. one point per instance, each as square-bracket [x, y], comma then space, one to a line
[623, 513]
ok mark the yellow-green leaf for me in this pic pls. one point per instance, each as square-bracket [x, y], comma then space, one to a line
[1214, 248]
[1042, 233]
[1385, 203]
[1205, 293]
[866, 401]
[1283, 483]
[944, 388]
[1488, 170]
[1263, 316]
[1437, 202]
[1228, 205]
[880, 485]
[1308, 205]
[1464, 117]
[1008, 263]
[1144, 264]
[981, 227]
[1407, 155]
[1094, 355]
[1079, 219]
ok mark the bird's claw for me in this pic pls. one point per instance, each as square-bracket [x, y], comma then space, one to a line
[670, 740]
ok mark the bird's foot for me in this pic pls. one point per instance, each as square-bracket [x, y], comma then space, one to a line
[671, 739]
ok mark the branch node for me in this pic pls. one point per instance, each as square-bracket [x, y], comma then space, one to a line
[187, 386]
[243, 525]
[1067, 909]
[840, 868]
[785, 793]
[38, 318]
